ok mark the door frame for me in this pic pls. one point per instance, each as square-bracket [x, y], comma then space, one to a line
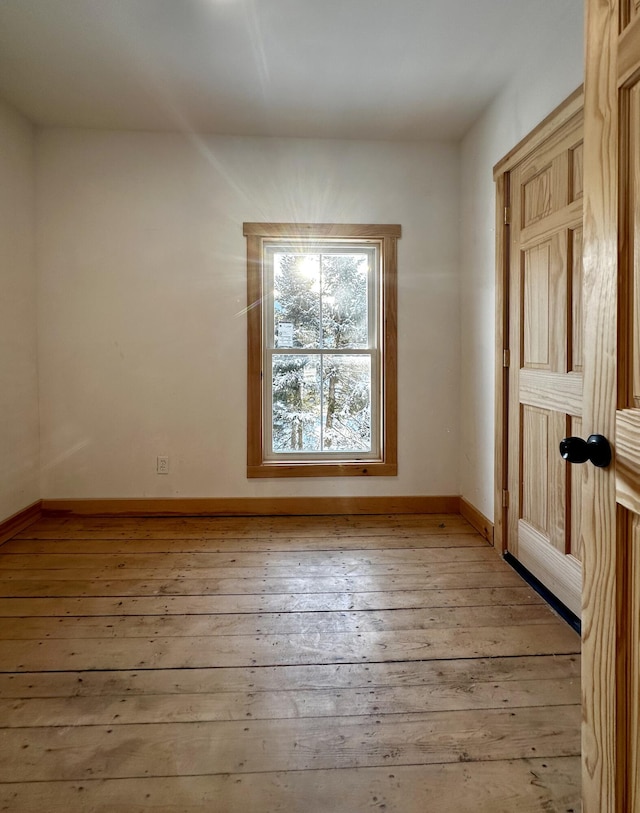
[501, 175]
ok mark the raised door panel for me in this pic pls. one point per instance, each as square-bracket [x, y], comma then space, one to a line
[627, 436]
[534, 486]
[577, 308]
[543, 480]
[544, 311]
[575, 491]
[630, 10]
[632, 700]
[634, 230]
[537, 196]
[536, 299]
[576, 170]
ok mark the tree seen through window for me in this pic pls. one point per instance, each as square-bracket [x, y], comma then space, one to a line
[321, 399]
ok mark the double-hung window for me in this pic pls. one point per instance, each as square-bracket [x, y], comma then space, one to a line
[321, 349]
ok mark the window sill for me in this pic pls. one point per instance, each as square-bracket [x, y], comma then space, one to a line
[314, 469]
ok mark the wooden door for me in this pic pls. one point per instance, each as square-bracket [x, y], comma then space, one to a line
[545, 360]
[611, 497]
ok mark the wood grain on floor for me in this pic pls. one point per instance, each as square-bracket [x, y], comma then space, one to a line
[233, 665]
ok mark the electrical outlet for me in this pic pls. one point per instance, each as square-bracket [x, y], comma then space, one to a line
[162, 465]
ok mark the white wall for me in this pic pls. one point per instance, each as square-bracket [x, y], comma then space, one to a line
[540, 85]
[19, 434]
[141, 277]
[142, 334]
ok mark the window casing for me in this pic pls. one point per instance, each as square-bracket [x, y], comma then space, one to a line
[321, 321]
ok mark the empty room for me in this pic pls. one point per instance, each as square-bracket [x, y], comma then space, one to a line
[319, 429]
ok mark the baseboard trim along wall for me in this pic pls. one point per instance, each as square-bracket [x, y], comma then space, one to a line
[254, 506]
[482, 525]
[19, 521]
[247, 506]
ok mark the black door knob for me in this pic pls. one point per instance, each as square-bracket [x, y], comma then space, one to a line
[595, 448]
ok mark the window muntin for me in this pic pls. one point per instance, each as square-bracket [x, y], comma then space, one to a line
[321, 354]
[334, 337]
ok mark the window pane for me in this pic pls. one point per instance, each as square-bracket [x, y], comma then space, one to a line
[296, 403]
[344, 300]
[346, 387]
[296, 300]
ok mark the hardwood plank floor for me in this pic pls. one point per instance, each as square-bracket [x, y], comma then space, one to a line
[344, 664]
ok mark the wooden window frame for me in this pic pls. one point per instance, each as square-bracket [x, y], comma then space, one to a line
[386, 236]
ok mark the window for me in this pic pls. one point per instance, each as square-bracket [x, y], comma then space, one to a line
[321, 349]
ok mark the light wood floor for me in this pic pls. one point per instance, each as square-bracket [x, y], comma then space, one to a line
[302, 664]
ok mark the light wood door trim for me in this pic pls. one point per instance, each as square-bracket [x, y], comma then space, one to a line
[502, 372]
[559, 116]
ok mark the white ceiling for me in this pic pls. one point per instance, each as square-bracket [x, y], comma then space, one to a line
[392, 69]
